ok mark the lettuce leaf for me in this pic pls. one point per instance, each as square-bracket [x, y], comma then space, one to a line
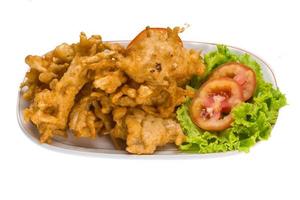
[253, 120]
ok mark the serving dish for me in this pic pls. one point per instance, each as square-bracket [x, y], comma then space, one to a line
[102, 145]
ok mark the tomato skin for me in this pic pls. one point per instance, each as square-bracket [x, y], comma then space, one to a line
[143, 34]
[207, 114]
[242, 74]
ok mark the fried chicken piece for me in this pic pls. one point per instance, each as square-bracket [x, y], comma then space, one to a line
[31, 84]
[114, 47]
[52, 66]
[146, 132]
[42, 71]
[86, 118]
[157, 55]
[102, 88]
[63, 53]
[50, 109]
[106, 118]
[88, 46]
[159, 101]
[109, 81]
[157, 61]
[119, 130]
[82, 120]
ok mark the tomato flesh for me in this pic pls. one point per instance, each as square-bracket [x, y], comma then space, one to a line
[242, 74]
[212, 104]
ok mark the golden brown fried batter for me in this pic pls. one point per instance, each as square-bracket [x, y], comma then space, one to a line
[146, 132]
[46, 70]
[50, 108]
[96, 88]
[120, 129]
[157, 55]
[109, 81]
[82, 120]
[157, 60]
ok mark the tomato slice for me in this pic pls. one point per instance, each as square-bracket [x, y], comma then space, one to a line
[242, 74]
[212, 104]
[144, 34]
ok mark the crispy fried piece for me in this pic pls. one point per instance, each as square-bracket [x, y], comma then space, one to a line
[114, 47]
[44, 69]
[146, 132]
[82, 120]
[64, 53]
[159, 101]
[158, 62]
[109, 81]
[88, 46]
[104, 117]
[168, 99]
[31, 85]
[102, 88]
[50, 109]
[86, 118]
[157, 55]
[48, 69]
[119, 131]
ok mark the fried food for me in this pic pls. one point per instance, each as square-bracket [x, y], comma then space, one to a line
[51, 106]
[109, 81]
[94, 88]
[157, 55]
[83, 122]
[146, 132]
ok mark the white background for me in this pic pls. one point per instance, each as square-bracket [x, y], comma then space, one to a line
[270, 171]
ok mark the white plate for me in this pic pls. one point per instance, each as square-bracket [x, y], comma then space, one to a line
[102, 146]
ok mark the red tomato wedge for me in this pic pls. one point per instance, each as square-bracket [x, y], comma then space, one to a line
[242, 74]
[147, 31]
[212, 104]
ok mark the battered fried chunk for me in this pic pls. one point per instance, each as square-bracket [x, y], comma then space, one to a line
[146, 132]
[157, 55]
[54, 99]
[94, 88]
[50, 108]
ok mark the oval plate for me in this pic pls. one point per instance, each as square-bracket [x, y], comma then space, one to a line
[102, 145]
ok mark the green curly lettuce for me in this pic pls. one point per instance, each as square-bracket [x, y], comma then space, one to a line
[253, 120]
